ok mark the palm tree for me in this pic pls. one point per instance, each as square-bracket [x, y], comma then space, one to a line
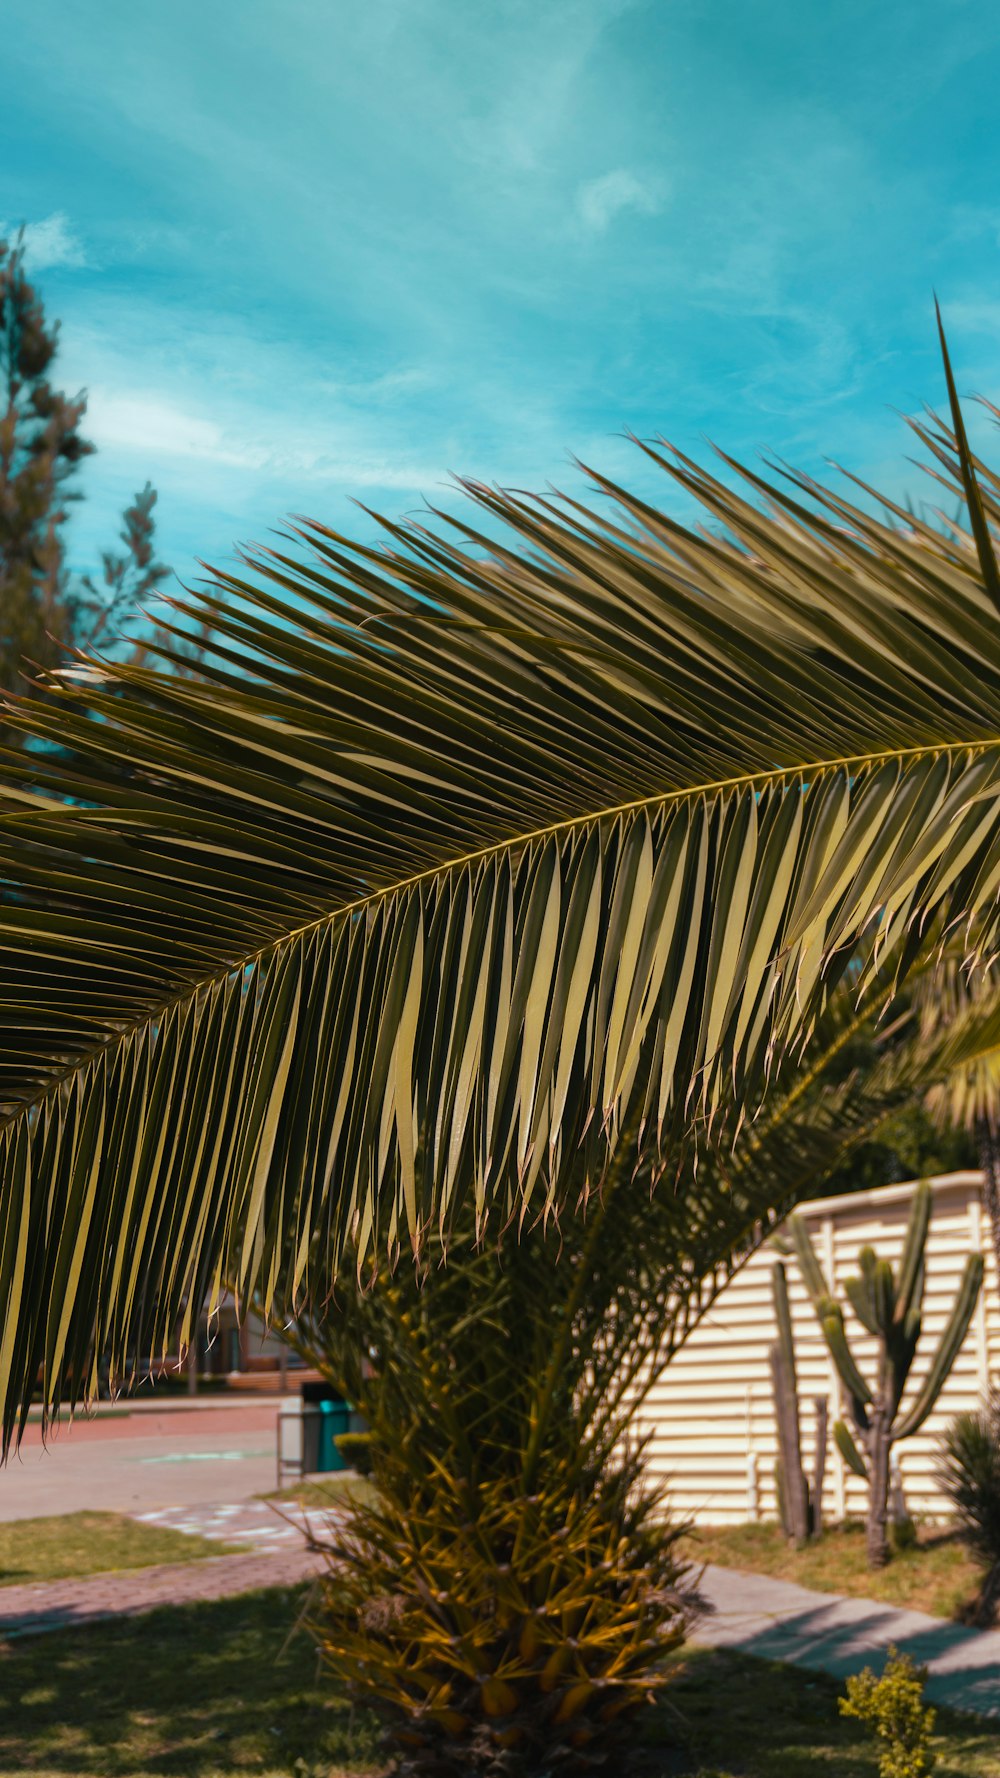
[502, 1406]
[502, 1409]
[463, 855]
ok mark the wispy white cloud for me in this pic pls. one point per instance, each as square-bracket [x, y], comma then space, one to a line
[348, 250]
[521, 102]
[153, 428]
[977, 314]
[599, 201]
[48, 243]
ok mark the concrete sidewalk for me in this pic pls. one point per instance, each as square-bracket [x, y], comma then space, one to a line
[779, 1621]
[144, 1461]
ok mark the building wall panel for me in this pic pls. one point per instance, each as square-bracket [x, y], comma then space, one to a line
[711, 1415]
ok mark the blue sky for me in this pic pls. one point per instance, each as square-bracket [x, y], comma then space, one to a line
[305, 250]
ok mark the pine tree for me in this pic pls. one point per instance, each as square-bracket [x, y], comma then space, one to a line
[41, 448]
[129, 578]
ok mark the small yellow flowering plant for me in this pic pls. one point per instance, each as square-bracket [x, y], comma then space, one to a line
[894, 1709]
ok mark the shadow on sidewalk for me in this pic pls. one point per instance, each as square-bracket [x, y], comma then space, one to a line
[847, 1634]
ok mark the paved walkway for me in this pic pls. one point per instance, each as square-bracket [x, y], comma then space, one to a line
[181, 1455]
[59, 1604]
[783, 1622]
[253, 1522]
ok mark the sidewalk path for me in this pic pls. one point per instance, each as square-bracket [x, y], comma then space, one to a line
[143, 1462]
[253, 1522]
[58, 1604]
[780, 1621]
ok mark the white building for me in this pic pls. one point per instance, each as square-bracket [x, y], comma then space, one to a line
[712, 1413]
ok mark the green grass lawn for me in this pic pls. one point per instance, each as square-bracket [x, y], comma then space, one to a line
[198, 1691]
[74, 1544]
[231, 1689]
[316, 1496]
[937, 1576]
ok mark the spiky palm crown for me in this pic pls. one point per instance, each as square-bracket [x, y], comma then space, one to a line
[969, 1472]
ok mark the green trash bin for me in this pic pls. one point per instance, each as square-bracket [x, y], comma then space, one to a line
[324, 1417]
[335, 1418]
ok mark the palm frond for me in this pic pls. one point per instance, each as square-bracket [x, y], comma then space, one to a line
[464, 852]
[957, 1046]
[583, 1321]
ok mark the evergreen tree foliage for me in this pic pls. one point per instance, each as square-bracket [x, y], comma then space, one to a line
[129, 578]
[44, 609]
[41, 448]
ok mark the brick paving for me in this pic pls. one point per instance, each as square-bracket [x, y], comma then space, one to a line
[58, 1604]
[172, 1420]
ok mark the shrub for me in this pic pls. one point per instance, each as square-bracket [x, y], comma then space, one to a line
[356, 1450]
[894, 1709]
[969, 1473]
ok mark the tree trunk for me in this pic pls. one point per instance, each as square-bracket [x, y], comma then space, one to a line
[988, 1145]
[986, 1606]
[793, 1491]
[876, 1532]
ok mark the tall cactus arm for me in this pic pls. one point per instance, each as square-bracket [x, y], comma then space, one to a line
[885, 1295]
[831, 1320]
[948, 1348]
[910, 1287]
[809, 1265]
[901, 1347]
[912, 1318]
[872, 1296]
[861, 1292]
[783, 1314]
[848, 1449]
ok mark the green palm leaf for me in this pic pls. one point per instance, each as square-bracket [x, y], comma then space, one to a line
[460, 856]
[966, 1049]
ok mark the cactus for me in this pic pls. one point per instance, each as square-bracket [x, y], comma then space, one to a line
[888, 1305]
[799, 1502]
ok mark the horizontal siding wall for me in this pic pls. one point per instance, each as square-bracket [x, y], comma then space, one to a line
[711, 1415]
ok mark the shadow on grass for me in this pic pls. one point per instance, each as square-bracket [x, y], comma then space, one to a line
[186, 1692]
[222, 1690]
[735, 1715]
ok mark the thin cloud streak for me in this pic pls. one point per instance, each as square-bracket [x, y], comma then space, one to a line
[342, 253]
[600, 201]
[48, 243]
